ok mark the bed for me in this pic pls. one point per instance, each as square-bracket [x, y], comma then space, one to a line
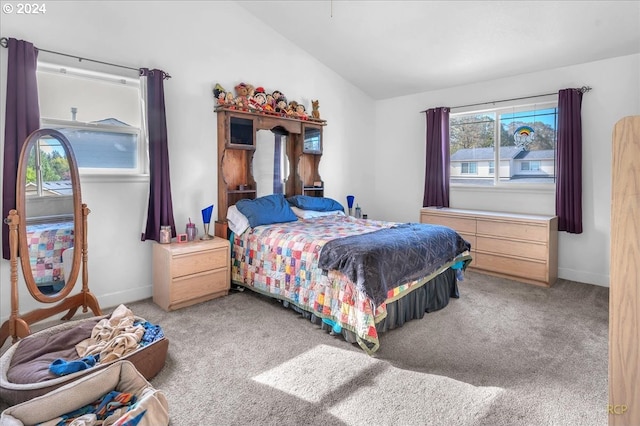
[356, 277]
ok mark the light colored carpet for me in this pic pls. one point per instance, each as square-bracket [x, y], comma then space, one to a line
[505, 353]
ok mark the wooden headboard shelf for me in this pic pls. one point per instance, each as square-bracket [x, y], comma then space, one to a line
[237, 144]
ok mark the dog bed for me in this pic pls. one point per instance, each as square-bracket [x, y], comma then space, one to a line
[116, 394]
[25, 366]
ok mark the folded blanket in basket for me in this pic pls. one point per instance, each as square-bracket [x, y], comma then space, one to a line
[113, 337]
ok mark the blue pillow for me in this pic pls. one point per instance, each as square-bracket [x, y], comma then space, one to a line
[266, 210]
[320, 204]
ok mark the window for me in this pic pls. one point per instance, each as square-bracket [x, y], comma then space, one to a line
[504, 146]
[469, 168]
[99, 113]
[533, 166]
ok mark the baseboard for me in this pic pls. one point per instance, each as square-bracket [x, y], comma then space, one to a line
[584, 277]
[113, 300]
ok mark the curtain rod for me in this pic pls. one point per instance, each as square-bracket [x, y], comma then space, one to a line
[583, 89]
[4, 42]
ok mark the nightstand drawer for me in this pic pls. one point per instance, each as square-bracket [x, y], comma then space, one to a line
[193, 263]
[199, 285]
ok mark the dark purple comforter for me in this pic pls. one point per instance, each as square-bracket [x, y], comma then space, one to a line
[381, 260]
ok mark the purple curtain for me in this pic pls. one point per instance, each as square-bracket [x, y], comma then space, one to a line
[21, 119]
[160, 209]
[569, 167]
[436, 179]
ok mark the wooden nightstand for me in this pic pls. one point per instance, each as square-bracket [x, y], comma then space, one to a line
[188, 273]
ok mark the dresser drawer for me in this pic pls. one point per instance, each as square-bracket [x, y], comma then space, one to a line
[516, 230]
[193, 263]
[530, 250]
[528, 269]
[199, 285]
[460, 224]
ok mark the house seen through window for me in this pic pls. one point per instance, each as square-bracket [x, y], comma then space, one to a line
[99, 113]
[504, 146]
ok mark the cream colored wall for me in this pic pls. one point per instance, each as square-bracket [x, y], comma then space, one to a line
[400, 153]
[199, 44]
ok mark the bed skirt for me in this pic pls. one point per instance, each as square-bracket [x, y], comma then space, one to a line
[429, 297]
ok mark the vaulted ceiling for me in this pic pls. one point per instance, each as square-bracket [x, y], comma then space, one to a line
[394, 48]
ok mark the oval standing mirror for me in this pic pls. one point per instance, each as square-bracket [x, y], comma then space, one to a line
[50, 234]
[48, 231]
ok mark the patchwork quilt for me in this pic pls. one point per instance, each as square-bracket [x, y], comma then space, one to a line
[281, 261]
[46, 243]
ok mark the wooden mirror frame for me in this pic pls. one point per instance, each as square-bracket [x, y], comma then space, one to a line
[17, 326]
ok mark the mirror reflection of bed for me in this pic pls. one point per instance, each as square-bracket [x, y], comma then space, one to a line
[49, 215]
[50, 253]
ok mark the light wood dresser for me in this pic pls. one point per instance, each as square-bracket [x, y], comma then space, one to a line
[189, 273]
[516, 246]
[624, 276]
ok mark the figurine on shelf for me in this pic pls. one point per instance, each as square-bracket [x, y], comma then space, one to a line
[269, 106]
[258, 101]
[291, 109]
[277, 95]
[230, 100]
[315, 109]
[220, 94]
[242, 96]
[301, 112]
[250, 90]
[281, 105]
[246, 97]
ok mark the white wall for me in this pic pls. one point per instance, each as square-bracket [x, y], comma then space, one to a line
[400, 152]
[199, 44]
